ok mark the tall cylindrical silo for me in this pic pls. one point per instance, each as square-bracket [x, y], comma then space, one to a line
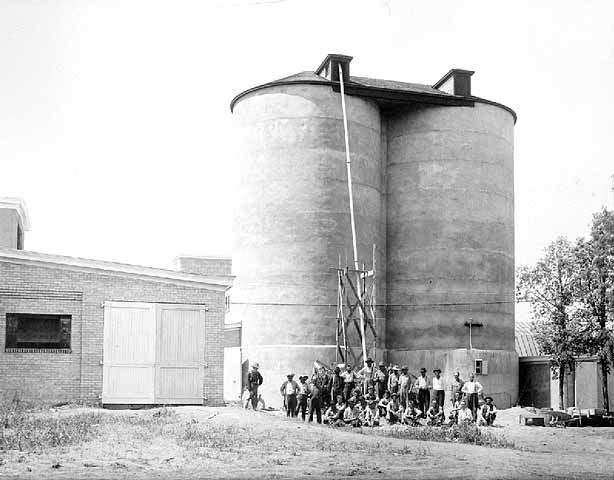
[450, 231]
[291, 220]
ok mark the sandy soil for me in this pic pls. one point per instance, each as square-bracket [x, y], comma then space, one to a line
[268, 445]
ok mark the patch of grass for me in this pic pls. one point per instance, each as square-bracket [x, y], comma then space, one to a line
[466, 433]
[26, 429]
[31, 428]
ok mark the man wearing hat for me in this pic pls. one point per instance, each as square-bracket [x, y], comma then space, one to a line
[381, 380]
[254, 380]
[422, 386]
[393, 380]
[394, 409]
[302, 395]
[490, 411]
[439, 391]
[349, 381]
[288, 390]
[404, 382]
[367, 373]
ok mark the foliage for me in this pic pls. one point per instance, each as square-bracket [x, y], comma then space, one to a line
[561, 331]
[595, 290]
[550, 286]
[464, 433]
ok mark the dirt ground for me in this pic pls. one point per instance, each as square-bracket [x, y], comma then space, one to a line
[267, 445]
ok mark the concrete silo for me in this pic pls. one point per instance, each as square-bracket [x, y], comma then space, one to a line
[291, 218]
[433, 189]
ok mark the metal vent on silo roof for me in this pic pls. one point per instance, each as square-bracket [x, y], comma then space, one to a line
[456, 82]
[329, 68]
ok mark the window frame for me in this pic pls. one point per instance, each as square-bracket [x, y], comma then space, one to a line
[11, 331]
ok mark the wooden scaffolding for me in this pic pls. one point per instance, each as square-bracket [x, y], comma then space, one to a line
[356, 333]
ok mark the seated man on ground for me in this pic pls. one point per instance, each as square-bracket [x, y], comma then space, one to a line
[383, 404]
[394, 410]
[411, 415]
[340, 407]
[435, 415]
[464, 414]
[491, 411]
[330, 416]
[351, 415]
[371, 414]
[456, 401]
[479, 414]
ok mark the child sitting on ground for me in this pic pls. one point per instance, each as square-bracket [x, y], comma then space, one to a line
[394, 410]
[411, 415]
[371, 414]
[383, 404]
[434, 415]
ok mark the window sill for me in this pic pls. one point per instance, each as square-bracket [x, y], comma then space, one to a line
[37, 350]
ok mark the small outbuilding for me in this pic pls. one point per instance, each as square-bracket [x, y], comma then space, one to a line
[75, 329]
[537, 387]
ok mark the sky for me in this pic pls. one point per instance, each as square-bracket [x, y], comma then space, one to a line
[115, 125]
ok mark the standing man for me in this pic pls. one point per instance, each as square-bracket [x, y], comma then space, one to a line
[315, 392]
[456, 386]
[368, 374]
[404, 382]
[393, 380]
[349, 382]
[302, 395]
[439, 391]
[336, 384]
[254, 380]
[472, 389]
[381, 380]
[422, 386]
[288, 390]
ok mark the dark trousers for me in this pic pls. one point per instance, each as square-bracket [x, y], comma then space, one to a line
[440, 396]
[291, 405]
[347, 390]
[315, 406]
[424, 399]
[253, 395]
[472, 403]
[381, 388]
[302, 406]
[334, 394]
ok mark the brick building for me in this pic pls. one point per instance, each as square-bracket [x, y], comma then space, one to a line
[81, 329]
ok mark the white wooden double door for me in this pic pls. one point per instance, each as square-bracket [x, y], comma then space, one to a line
[153, 353]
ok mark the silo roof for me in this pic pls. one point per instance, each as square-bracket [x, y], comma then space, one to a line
[387, 93]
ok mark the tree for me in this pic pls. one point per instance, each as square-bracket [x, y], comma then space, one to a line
[559, 331]
[595, 291]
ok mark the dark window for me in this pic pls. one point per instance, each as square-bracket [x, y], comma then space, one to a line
[37, 332]
[19, 238]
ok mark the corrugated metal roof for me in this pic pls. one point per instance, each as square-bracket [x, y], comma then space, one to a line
[526, 346]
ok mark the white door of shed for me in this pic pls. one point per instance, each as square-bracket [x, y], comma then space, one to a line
[153, 353]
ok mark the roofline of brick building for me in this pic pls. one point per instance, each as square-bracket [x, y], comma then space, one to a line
[24, 257]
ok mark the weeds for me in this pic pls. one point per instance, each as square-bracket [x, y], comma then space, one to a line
[466, 433]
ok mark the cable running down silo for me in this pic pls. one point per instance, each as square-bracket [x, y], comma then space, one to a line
[352, 220]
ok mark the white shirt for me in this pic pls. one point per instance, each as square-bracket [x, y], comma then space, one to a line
[472, 387]
[464, 414]
[438, 383]
[422, 382]
[290, 388]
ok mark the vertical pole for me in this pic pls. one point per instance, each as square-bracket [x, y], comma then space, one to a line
[352, 220]
[374, 305]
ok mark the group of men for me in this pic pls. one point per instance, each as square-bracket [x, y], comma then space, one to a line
[372, 395]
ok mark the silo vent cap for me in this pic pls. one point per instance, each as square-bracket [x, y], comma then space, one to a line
[329, 68]
[456, 82]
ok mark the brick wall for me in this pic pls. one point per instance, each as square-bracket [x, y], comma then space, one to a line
[213, 266]
[57, 377]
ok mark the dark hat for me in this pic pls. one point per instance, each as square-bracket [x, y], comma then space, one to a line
[437, 370]
[489, 398]
[369, 360]
[423, 370]
[290, 375]
[300, 377]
